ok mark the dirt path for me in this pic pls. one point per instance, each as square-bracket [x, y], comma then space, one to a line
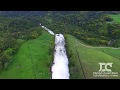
[94, 47]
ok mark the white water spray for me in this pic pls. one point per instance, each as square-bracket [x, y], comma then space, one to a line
[59, 68]
[60, 65]
[47, 29]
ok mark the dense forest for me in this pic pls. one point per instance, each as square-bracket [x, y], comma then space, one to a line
[13, 32]
[92, 27]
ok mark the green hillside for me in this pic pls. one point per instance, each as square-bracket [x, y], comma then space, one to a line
[116, 18]
[89, 59]
[32, 61]
[26, 49]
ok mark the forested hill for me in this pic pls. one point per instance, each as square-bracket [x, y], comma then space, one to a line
[93, 27]
[43, 13]
[22, 13]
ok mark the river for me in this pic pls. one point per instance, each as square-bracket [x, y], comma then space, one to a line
[59, 68]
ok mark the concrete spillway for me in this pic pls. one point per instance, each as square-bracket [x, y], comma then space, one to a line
[59, 68]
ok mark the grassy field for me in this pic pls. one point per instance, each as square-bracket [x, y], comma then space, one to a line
[33, 60]
[84, 61]
[112, 52]
[116, 18]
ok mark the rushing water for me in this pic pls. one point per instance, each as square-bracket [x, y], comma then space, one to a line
[47, 29]
[59, 68]
[60, 65]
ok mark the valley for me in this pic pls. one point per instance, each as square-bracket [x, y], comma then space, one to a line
[59, 44]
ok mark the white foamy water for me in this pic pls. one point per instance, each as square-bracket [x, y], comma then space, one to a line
[60, 65]
[59, 68]
[47, 29]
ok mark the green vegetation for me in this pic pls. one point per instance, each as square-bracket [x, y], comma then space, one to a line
[113, 52]
[93, 27]
[25, 49]
[13, 32]
[32, 61]
[90, 26]
[89, 58]
[114, 29]
[116, 18]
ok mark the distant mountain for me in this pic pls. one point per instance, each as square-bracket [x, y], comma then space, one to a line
[22, 13]
[44, 13]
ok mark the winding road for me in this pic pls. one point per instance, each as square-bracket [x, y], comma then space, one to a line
[94, 47]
